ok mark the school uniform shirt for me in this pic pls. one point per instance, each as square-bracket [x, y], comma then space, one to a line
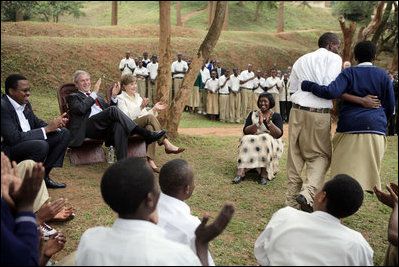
[152, 70]
[178, 66]
[205, 74]
[174, 216]
[131, 242]
[225, 88]
[245, 75]
[257, 85]
[212, 85]
[141, 71]
[130, 62]
[322, 67]
[273, 81]
[145, 62]
[234, 83]
[294, 237]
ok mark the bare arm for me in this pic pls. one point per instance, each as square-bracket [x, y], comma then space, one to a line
[368, 101]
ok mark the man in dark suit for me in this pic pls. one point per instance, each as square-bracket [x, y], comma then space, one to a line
[93, 117]
[25, 136]
[219, 70]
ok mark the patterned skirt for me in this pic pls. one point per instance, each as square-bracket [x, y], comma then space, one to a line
[260, 151]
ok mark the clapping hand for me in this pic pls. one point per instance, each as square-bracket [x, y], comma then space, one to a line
[116, 89]
[97, 86]
[160, 106]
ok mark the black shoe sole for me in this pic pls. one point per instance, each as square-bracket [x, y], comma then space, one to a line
[304, 205]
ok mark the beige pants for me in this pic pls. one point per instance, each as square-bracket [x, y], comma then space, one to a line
[152, 92]
[42, 195]
[223, 107]
[276, 107]
[141, 88]
[234, 107]
[150, 122]
[176, 87]
[246, 100]
[310, 144]
[255, 101]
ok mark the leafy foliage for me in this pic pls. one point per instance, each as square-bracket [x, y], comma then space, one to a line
[9, 8]
[357, 11]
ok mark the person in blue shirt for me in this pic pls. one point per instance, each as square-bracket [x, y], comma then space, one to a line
[360, 141]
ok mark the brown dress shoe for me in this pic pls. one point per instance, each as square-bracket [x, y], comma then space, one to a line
[179, 150]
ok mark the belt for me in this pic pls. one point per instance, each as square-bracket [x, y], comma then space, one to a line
[178, 78]
[223, 94]
[246, 88]
[317, 110]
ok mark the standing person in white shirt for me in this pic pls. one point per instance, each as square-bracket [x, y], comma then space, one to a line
[258, 89]
[224, 96]
[130, 189]
[179, 69]
[176, 180]
[145, 59]
[235, 97]
[141, 74]
[272, 86]
[212, 103]
[309, 123]
[205, 75]
[152, 68]
[285, 98]
[127, 64]
[294, 237]
[246, 83]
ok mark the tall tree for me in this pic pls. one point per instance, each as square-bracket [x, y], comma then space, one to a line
[226, 18]
[280, 21]
[54, 9]
[172, 116]
[114, 17]
[211, 12]
[348, 33]
[178, 14]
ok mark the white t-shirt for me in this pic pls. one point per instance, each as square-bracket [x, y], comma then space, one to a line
[152, 70]
[275, 82]
[205, 75]
[130, 62]
[234, 83]
[245, 75]
[212, 85]
[225, 88]
[179, 66]
[322, 67]
[294, 237]
[257, 85]
[141, 71]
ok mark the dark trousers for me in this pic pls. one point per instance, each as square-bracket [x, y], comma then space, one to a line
[285, 108]
[392, 125]
[50, 151]
[113, 125]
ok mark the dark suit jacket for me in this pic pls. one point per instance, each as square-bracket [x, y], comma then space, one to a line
[80, 107]
[217, 74]
[11, 129]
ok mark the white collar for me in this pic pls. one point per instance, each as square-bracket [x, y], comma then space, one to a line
[365, 64]
[16, 106]
[136, 225]
[180, 205]
[326, 216]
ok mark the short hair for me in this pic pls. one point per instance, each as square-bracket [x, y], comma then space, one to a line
[173, 175]
[126, 183]
[77, 73]
[126, 79]
[327, 38]
[12, 82]
[365, 51]
[269, 97]
[344, 195]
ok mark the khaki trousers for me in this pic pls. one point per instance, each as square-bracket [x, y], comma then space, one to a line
[152, 92]
[223, 107]
[310, 144]
[235, 107]
[255, 101]
[150, 122]
[276, 107]
[176, 87]
[42, 195]
[247, 99]
[141, 88]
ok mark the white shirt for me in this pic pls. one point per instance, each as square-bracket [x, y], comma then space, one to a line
[245, 75]
[257, 83]
[174, 216]
[178, 66]
[320, 66]
[131, 106]
[270, 81]
[294, 237]
[152, 70]
[131, 242]
[141, 71]
[205, 75]
[234, 83]
[130, 62]
[23, 122]
[225, 88]
[212, 85]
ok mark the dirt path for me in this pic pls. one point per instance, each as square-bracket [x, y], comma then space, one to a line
[189, 15]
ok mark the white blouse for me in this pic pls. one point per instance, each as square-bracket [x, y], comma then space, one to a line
[131, 106]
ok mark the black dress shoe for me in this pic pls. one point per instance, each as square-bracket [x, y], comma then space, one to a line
[263, 181]
[51, 184]
[304, 204]
[237, 179]
[154, 136]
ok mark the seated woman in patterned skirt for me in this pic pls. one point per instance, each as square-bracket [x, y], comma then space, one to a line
[261, 146]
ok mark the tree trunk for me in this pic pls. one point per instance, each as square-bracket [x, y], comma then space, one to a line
[164, 72]
[280, 23]
[257, 11]
[226, 18]
[374, 23]
[380, 29]
[178, 14]
[19, 16]
[211, 12]
[114, 16]
[348, 33]
[176, 108]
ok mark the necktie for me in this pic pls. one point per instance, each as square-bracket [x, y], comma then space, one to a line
[98, 104]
